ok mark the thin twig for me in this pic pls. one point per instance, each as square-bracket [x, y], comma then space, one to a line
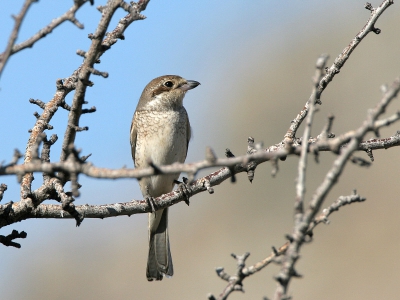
[300, 229]
[338, 64]
[238, 278]
[301, 179]
[14, 34]
[92, 56]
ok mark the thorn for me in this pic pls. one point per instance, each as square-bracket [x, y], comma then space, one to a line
[77, 23]
[3, 188]
[65, 106]
[289, 237]
[376, 30]
[90, 110]
[81, 53]
[87, 82]
[275, 167]
[211, 297]
[97, 72]
[84, 158]
[369, 6]
[59, 84]
[228, 153]
[207, 185]
[250, 174]
[233, 177]
[39, 103]
[53, 139]
[78, 129]
[210, 155]
[370, 154]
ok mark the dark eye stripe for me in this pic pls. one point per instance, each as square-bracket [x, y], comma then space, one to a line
[159, 90]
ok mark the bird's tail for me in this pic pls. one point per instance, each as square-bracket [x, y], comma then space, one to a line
[159, 261]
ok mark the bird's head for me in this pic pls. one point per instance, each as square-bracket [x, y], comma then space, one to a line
[165, 93]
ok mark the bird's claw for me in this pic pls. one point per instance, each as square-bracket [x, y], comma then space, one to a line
[185, 189]
[150, 201]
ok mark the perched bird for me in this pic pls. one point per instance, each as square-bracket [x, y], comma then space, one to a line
[160, 134]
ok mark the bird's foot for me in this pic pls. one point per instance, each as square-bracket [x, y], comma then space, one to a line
[150, 200]
[185, 189]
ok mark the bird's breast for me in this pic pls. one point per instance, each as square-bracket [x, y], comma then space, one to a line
[161, 137]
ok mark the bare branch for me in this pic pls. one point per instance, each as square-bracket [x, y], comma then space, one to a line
[92, 56]
[341, 201]
[8, 240]
[42, 123]
[235, 164]
[301, 179]
[300, 228]
[338, 64]
[244, 272]
[12, 49]
[78, 81]
[3, 188]
[14, 34]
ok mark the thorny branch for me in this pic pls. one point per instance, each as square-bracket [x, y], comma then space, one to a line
[78, 81]
[71, 165]
[12, 48]
[304, 220]
[300, 186]
[341, 201]
[338, 64]
[237, 164]
[92, 56]
[14, 34]
[235, 282]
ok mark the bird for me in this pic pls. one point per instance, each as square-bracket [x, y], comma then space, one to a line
[159, 135]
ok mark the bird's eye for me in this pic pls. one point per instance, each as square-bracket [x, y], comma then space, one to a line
[169, 84]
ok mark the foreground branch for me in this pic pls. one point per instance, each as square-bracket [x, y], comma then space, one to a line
[304, 222]
[237, 164]
[338, 64]
[235, 282]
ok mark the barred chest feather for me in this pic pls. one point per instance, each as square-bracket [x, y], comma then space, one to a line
[162, 136]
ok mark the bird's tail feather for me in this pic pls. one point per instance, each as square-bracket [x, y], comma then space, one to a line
[159, 261]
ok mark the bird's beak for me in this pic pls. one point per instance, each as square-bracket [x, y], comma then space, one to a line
[190, 84]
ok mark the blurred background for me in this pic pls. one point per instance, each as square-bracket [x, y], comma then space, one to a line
[255, 60]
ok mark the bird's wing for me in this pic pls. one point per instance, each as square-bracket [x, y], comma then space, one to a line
[189, 133]
[133, 137]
